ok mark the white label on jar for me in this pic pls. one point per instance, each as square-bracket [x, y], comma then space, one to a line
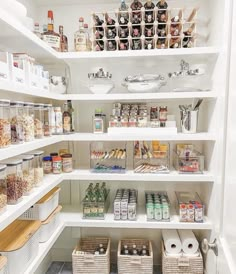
[80, 43]
[67, 164]
[57, 167]
[52, 40]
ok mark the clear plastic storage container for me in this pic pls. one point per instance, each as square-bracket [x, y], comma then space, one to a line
[47, 120]
[14, 181]
[5, 126]
[28, 173]
[38, 121]
[17, 127]
[3, 188]
[28, 122]
[38, 167]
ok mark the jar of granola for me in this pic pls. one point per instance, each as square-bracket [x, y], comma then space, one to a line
[5, 126]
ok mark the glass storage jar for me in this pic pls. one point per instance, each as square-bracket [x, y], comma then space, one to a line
[38, 121]
[28, 122]
[38, 167]
[14, 181]
[47, 164]
[47, 120]
[67, 163]
[28, 173]
[3, 188]
[17, 128]
[5, 126]
[56, 165]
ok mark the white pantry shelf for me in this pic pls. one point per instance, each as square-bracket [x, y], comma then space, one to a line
[14, 211]
[173, 176]
[44, 248]
[15, 37]
[72, 218]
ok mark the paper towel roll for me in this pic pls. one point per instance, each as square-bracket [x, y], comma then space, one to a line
[189, 242]
[172, 241]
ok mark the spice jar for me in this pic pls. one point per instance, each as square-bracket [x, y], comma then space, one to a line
[38, 121]
[5, 126]
[28, 122]
[58, 120]
[67, 164]
[28, 173]
[38, 167]
[47, 129]
[14, 181]
[47, 164]
[3, 188]
[17, 128]
[57, 165]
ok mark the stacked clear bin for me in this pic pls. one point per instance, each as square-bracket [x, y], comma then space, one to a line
[108, 157]
[144, 29]
[151, 157]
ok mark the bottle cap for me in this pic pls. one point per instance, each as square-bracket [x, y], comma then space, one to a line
[81, 19]
[50, 14]
[47, 158]
[56, 158]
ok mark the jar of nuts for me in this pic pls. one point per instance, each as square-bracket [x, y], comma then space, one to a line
[17, 129]
[3, 188]
[5, 126]
[15, 183]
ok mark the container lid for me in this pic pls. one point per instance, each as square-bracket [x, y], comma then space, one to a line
[3, 261]
[4, 102]
[47, 158]
[47, 105]
[16, 103]
[27, 157]
[56, 158]
[28, 104]
[13, 162]
[49, 195]
[68, 155]
[17, 234]
[2, 167]
[48, 220]
[38, 105]
[37, 152]
[53, 154]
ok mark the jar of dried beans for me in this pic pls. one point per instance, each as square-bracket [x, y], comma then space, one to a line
[3, 188]
[38, 121]
[28, 173]
[28, 122]
[38, 167]
[5, 126]
[17, 128]
[14, 181]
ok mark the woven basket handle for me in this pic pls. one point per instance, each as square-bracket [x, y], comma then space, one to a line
[88, 258]
[136, 260]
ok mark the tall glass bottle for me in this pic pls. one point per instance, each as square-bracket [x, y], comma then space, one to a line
[123, 13]
[88, 41]
[80, 37]
[64, 40]
[67, 121]
[50, 36]
[72, 112]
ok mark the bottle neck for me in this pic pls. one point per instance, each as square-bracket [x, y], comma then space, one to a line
[81, 26]
[61, 31]
[50, 24]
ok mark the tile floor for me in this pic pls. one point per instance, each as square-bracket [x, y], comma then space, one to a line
[66, 268]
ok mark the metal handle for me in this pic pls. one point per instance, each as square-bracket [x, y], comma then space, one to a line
[206, 246]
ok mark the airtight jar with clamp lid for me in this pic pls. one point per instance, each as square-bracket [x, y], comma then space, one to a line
[67, 163]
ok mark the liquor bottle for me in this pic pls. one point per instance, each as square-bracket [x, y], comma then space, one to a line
[99, 46]
[72, 113]
[123, 13]
[111, 45]
[80, 37]
[52, 38]
[64, 40]
[98, 23]
[162, 11]
[88, 41]
[36, 30]
[67, 128]
[136, 11]
[149, 11]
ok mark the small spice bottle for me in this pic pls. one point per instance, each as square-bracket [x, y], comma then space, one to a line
[67, 164]
[56, 165]
[47, 164]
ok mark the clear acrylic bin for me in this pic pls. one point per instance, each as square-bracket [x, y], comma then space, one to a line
[194, 163]
[151, 157]
[4, 66]
[190, 207]
[108, 157]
